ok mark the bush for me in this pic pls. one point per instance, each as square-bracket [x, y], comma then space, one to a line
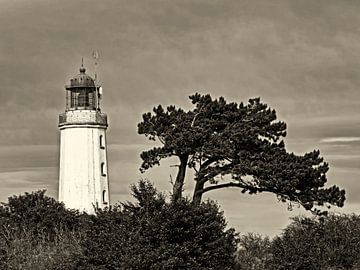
[253, 252]
[38, 215]
[326, 243]
[154, 234]
[37, 232]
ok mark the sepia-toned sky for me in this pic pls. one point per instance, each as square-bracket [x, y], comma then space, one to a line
[301, 57]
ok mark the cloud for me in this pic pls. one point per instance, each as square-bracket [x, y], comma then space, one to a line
[26, 168]
[28, 179]
[161, 52]
[340, 139]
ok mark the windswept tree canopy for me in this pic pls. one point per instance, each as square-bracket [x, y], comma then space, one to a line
[236, 145]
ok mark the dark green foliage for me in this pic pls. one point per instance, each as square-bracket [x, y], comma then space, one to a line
[314, 244]
[326, 243]
[243, 141]
[37, 214]
[36, 232]
[153, 234]
[253, 252]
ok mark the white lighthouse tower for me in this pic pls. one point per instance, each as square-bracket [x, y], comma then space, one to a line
[83, 178]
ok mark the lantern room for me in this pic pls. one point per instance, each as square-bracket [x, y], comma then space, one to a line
[82, 93]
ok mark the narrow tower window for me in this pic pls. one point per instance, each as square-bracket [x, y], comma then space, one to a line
[74, 99]
[102, 144]
[103, 169]
[104, 197]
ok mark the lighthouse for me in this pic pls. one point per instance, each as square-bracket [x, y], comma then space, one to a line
[83, 176]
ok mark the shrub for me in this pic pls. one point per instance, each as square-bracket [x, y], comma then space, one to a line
[37, 232]
[38, 215]
[253, 252]
[154, 234]
[326, 243]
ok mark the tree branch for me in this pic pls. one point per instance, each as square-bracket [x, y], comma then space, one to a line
[241, 185]
[230, 184]
[208, 162]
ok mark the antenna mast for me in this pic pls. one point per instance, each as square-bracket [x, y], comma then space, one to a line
[95, 55]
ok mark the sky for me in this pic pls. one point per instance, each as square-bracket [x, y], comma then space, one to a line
[301, 57]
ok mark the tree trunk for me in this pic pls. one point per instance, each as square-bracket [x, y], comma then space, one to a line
[179, 182]
[197, 192]
[200, 180]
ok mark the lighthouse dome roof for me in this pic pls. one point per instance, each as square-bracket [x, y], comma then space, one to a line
[82, 80]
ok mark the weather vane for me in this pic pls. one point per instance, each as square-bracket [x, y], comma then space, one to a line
[99, 89]
[95, 55]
